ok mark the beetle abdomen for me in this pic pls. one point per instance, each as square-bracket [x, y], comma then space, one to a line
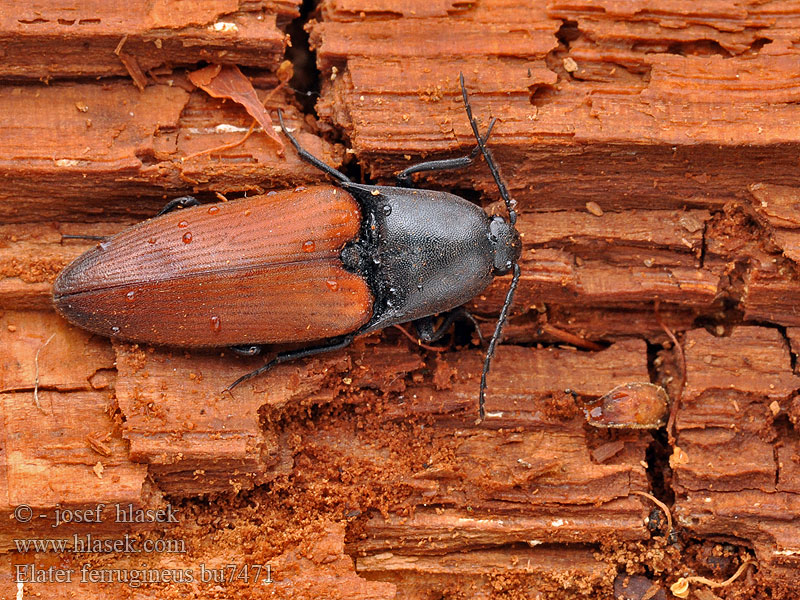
[260, 270]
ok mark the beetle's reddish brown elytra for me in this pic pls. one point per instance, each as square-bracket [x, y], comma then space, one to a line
[318, 265]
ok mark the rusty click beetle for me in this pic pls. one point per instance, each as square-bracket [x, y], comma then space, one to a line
[317, 265]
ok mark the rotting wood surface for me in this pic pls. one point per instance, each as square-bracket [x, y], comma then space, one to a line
[363, 473]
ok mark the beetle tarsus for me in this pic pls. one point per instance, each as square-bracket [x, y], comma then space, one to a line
[283, 357]
[310, 158]
[246, 350]
[182, 202]
[428, 332]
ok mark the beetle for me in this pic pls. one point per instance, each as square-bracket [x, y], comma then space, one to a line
[317, 265]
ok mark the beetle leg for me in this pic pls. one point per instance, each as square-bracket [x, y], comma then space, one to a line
[310, 158]
[182, 202]
[98, 238]
[246, 350]
[336, 344]
[471, 318]
[404, 177]
[428, 332]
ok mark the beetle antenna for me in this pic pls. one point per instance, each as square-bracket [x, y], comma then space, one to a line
[487, 363]
[310, 158]
[512, 219]
[487, 154]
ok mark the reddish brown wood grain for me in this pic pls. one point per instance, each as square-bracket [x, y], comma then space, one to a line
[678, 123]
[737, 388]
[93, 39]
[83, 152]
[590, 96]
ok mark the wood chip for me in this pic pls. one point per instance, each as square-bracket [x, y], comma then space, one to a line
[594, 208]
[227, 81]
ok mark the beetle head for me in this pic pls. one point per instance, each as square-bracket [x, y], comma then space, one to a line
[506, 244]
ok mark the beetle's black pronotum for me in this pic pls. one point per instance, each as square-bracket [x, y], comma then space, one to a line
[321, 264]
